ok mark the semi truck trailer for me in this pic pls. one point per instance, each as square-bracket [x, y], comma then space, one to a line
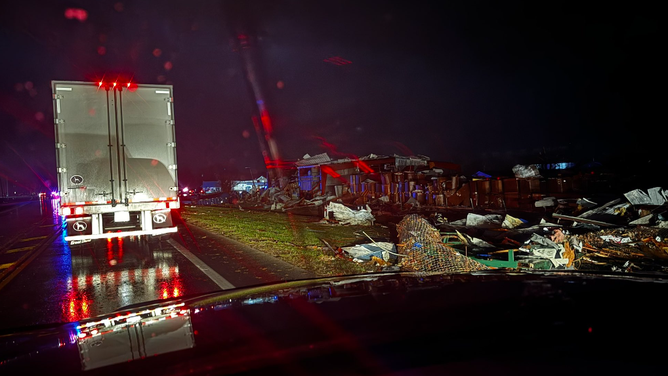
[116, 159]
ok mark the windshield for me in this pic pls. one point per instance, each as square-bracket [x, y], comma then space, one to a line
[155, 151]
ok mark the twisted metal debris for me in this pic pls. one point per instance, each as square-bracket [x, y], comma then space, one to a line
[424, 250]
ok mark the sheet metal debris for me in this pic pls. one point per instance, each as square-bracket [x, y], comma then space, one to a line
[484, 221]
[600, 210]
[459, 222]
[511, 222]
[546, 202]
[346, 216]
[312, 160]
[530, 171]
[365, 252]
[586, 203]
[646, 220]
[616, 239]
[655, 196]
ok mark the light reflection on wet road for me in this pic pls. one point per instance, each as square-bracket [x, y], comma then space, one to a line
[69, 283]
[44, 280]
[115, 273]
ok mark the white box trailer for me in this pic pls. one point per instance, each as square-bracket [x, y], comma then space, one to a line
[116, 158]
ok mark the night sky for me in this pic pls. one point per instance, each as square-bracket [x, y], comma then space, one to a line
[486, 84]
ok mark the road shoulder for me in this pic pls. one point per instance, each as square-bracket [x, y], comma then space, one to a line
[239, 263]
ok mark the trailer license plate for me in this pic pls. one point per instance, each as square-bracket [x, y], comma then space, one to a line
[122, 216]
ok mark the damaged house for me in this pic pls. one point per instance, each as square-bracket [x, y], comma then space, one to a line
[396, 177]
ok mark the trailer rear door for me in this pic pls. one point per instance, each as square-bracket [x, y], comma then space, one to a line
[148, 150]
[87, 157]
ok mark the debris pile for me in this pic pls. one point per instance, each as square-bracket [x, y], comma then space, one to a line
[286, 199]
[541, 252]
[407, 182]
[424, 251]
[634, 249]
[620, 235]
[604, 237]
[400, 184]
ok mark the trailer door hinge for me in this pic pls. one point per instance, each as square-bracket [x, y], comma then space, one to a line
[60, 145]
[62, 169]
[172, 144]
[173, 189]
[172, 167]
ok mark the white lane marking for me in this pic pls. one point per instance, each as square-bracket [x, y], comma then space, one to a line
[215, 277]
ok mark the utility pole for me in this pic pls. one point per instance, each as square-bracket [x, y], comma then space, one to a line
[241, 24]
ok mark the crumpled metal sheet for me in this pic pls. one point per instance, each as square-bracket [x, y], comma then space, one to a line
[511, 222]
[545, 202]
[655, 196]
[616, 239]
[367, 251]
[530, 171]
[346, 216]
[314, 160]
[483, 221]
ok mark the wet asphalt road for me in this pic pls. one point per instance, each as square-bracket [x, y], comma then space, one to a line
[44, 280]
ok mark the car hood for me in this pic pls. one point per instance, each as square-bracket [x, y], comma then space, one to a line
[225, 329]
